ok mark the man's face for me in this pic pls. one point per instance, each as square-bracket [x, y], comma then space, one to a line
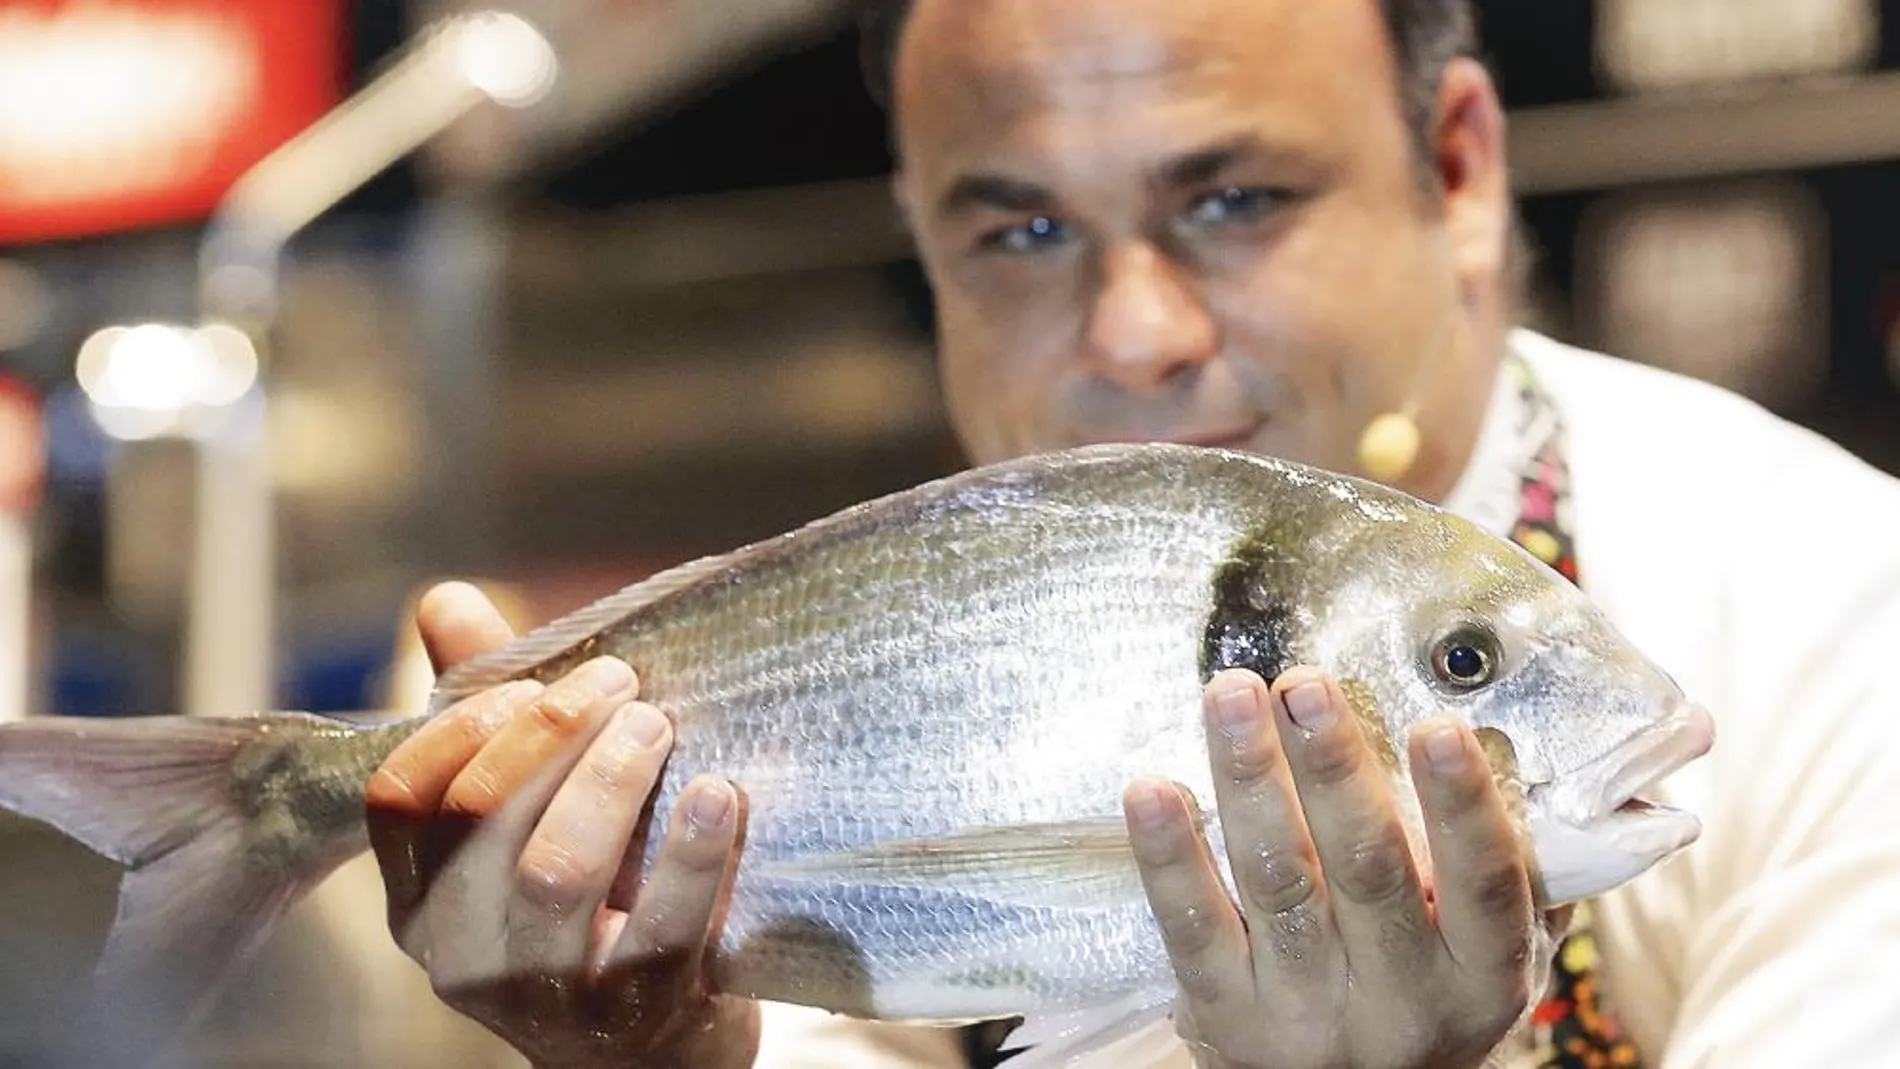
[1195, 220]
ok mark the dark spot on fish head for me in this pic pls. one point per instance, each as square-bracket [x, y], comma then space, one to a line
[1253, 624]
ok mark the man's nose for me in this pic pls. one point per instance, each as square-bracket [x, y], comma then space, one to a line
[1149, 321]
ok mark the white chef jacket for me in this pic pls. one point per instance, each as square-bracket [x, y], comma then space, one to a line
[1759, 564]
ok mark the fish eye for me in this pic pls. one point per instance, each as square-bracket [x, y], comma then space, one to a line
[1466, 656]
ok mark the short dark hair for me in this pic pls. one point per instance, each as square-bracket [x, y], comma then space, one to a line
[1426, 36]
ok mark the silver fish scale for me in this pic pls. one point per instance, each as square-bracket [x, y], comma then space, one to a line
[1014, 662]
[921, 952]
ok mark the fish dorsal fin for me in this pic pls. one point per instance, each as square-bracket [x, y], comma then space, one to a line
[1020, 476]
[564, 634]
[1072, 865]
[552, 639]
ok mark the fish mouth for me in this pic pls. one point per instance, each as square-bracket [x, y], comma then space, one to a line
[1609, 789]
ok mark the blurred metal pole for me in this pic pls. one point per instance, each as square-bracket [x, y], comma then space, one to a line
[453, 67]
[459, 257]
[229, 652]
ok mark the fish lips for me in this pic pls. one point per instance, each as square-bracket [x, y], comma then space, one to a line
[1592, 830]
[1604, 794]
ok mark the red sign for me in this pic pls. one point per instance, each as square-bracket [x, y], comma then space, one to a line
[116, 114]
[22, 448]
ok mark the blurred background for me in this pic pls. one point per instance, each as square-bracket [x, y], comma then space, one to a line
[595, 286]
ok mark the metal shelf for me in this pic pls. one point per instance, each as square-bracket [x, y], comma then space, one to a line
[1776, 126]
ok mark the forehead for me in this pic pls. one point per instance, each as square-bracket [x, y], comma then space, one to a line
[1099, 78]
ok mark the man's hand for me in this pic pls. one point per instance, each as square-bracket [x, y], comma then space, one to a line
[503, 831]
[1336, 956]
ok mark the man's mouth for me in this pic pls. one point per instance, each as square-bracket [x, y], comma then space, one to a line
[1230, 438]
[1237, 429]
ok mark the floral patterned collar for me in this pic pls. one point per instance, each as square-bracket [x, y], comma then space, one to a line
[1518, 484]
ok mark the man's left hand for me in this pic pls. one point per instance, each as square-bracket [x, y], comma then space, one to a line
[1336, 955]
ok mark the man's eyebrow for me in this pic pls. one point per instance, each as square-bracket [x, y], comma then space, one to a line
[993, 191]
[976, 191]
[1204, 164]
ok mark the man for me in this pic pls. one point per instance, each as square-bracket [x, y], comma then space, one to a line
[1273, 224]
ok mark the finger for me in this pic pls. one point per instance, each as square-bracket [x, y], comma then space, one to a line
[1345, 789]
[1486, 911]
[493, 805]
[569, 863]
[1269, 850]
[459, 623]
[1204, 937]
[407, 788]
[672, 920]
[570, 708]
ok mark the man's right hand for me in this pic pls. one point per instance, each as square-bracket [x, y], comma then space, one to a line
[503, 830]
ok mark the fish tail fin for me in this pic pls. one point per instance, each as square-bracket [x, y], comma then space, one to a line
[209, 870]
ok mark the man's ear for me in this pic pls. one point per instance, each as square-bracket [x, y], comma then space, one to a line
[1473, 173]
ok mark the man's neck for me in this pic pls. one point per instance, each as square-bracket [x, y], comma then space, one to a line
[1459, 394]
[1485, 490]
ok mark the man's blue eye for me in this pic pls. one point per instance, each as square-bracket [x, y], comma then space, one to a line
[1233, 205]
[1036, 234]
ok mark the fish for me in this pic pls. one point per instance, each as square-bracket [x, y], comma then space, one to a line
[931, 703]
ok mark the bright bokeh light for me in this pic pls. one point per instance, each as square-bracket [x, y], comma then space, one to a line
[143, 381]
[149, 367]
[505, 57]
[134, 424]
[229, 364]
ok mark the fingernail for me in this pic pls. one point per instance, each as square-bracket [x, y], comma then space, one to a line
[1309, 706]
[607, 675]
[641, 725]
[1445, 750]
[1237, 713]
[711, 802]
[1146, 806]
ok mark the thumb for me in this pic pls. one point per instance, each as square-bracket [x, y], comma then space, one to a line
[458, 623]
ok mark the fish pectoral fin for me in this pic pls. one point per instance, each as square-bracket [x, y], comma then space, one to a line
[1069, 865]
[1134, 1030]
